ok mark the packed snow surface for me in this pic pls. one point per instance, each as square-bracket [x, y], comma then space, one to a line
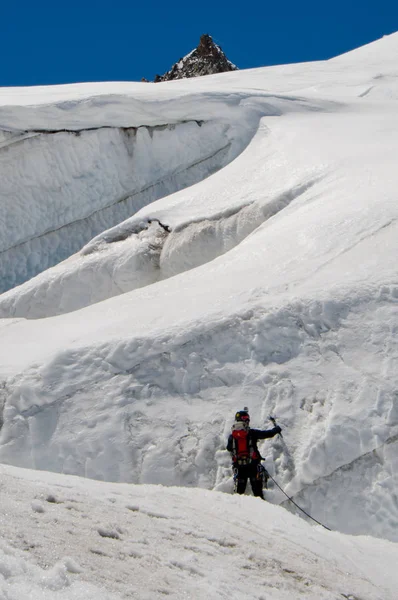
[67, 538]
[270, 282]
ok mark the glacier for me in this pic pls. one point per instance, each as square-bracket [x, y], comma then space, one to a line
[226, 241]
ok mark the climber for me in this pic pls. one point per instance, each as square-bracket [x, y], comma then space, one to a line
[246, 459]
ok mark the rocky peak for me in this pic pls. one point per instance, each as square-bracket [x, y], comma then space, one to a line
[207, 59]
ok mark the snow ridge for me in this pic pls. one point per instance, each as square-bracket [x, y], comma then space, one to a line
[193, 537]
[137, 253]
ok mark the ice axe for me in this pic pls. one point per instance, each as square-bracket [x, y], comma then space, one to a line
[273, 421]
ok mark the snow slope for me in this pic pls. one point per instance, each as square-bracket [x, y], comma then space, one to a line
[68, 538]
[274, 284]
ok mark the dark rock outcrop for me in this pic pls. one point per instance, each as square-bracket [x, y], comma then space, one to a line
[207, 59]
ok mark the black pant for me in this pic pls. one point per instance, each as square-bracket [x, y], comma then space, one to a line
[252, 472]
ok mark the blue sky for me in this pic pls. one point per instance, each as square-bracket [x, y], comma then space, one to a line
[45, 42]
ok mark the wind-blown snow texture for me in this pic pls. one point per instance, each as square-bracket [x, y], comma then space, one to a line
[78, 539]
[271, 283]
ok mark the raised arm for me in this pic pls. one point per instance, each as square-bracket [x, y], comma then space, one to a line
[262, 434]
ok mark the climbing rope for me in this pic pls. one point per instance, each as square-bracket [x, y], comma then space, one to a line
[295, 504]
[273, 421]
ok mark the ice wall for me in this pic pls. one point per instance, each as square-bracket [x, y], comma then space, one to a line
[60, 189]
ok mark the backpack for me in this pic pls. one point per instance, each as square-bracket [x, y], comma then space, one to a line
[242, 445]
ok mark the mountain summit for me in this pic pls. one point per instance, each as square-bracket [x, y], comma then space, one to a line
[207, 59]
